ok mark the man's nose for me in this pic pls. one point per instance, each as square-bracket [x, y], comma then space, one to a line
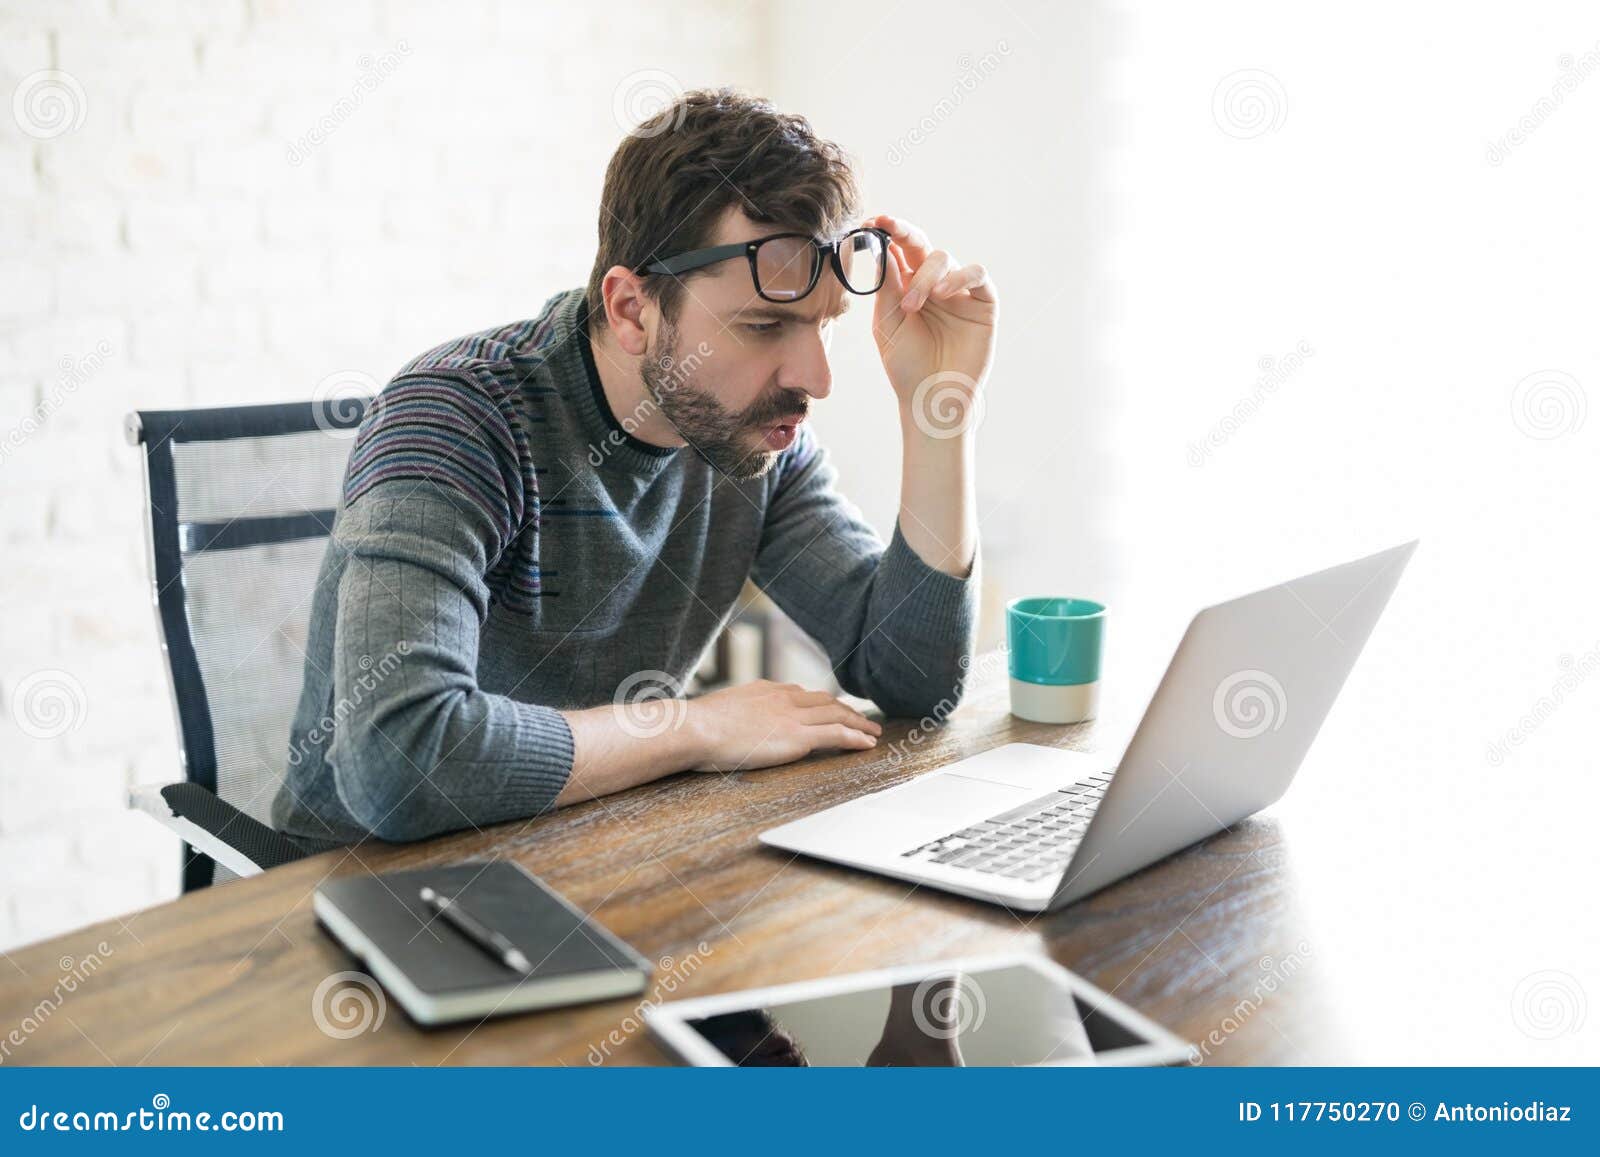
[806, 368]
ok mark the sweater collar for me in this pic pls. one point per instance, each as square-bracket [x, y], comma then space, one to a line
[579, 379]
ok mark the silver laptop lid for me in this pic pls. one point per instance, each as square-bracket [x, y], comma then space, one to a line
[1233, 717]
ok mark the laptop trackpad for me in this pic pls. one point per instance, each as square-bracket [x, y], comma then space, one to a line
[948, 794]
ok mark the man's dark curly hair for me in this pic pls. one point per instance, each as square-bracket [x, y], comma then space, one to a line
[676, 174]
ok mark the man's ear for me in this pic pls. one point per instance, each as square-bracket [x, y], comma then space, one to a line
[625, 303]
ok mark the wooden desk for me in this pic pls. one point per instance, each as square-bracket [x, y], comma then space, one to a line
[227, 975]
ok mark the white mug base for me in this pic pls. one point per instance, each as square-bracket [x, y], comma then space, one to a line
[1047, 703]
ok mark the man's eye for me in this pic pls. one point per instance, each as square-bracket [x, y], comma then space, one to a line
[764, 327]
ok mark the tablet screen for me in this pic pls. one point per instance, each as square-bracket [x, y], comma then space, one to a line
[1011, 1015]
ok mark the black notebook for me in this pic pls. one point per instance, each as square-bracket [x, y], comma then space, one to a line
[439, 974]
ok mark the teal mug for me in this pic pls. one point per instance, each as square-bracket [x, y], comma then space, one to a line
[1054, 647]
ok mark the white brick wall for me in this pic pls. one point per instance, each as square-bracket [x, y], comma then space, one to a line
[172, 232]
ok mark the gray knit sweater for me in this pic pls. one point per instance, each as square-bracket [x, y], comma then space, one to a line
[504, 549]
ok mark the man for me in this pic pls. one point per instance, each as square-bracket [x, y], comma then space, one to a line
[539, 518]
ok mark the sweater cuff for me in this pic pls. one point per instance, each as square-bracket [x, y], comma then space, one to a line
[543, 760]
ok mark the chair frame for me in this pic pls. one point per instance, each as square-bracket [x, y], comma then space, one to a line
[238, 841]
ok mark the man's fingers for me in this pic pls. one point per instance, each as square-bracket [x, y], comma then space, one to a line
[838, 735]
[913, 240]
[927, 276]
[973, 279]
[902, 264]
[815, 708]
[837, 712]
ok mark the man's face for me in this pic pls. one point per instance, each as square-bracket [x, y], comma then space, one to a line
[735, 373]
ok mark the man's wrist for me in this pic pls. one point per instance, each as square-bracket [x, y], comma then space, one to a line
[945, 410]
[688, 742]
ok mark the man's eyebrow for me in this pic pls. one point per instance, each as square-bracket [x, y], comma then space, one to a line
[779, 313]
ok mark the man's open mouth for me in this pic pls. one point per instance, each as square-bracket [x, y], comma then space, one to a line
[781, 435]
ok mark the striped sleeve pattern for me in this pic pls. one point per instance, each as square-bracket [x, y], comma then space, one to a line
[456, 433]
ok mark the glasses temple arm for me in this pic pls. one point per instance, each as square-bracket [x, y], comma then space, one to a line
[695, 259]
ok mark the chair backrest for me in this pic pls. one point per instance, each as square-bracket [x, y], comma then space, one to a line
[241, 502]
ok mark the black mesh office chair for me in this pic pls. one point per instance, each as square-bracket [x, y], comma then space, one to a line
[241, 502]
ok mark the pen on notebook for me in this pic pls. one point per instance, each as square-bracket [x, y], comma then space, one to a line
[477, 931]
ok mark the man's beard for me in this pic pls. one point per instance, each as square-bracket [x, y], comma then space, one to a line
[731, 441]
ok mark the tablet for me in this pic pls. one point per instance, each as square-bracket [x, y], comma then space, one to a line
[996, 1010]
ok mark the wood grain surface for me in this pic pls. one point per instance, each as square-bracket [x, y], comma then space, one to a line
[1204, 942]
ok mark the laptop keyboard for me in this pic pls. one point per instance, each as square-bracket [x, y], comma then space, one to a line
[1028, 842]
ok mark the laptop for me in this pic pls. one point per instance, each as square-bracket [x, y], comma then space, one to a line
[1036, 828]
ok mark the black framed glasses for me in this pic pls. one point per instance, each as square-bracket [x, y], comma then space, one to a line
[787, 266]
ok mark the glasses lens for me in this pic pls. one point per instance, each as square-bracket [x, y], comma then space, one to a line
[861, 256]
[785, 267]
